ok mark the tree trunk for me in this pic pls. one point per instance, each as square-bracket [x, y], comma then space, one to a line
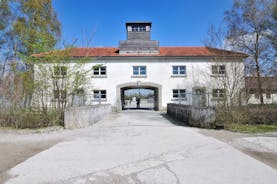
[258, 72]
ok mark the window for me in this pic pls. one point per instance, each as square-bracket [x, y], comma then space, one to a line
[60, 71]
[99, 94]
[218, 69]
[139, 70]
[79, 92]
[78, 97]
[218, 93]
[138, 28]
[252, 91]
[59, 94]
[179, 70]
[179, 93]
[268, 95]
[99, 71]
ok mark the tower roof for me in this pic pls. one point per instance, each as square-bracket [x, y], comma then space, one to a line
[138, 23]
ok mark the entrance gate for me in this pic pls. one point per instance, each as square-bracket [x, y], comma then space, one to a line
[139, 95]
[138, 98]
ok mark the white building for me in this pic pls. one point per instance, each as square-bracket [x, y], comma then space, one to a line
[172, 74]
[269, 90]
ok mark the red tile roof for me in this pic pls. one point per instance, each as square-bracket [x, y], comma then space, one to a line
[268, 83]
[164, 51]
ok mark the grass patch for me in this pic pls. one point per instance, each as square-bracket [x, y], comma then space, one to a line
[248, 128]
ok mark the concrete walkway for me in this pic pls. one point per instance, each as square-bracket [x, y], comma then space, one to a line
[141, 147]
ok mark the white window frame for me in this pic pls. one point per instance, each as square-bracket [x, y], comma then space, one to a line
[181, 94]
[138, 28]
[99, 94]
[59, 71]
[98, 72]
[218, 71]
[179, 70]
[268, 95]
[139, 71]
[59, 94]
[218, 93]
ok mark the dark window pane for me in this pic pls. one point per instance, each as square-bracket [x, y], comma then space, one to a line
[80, 92]
[183, 95]
[218, 93]
[135, 70]
[103, 94]
[175, 70]
[56, 70]
[183, 70]
[143, 68]
[63, 94]
[214, 93]
[135, 67]
[103, 70]
[175, 93]
[214, 69]
[143, 72]
[56, 94]
[96, 94]
[182, 67]
[63, 70]
[96, 72]
[218, 69]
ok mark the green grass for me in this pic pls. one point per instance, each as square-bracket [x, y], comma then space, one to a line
[248, 128]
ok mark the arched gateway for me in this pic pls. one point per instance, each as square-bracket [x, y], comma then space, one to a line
[122, 88]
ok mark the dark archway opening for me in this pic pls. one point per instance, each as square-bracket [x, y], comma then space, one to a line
[139, 98]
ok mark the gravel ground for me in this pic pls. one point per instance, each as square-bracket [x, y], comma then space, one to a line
[261, 146]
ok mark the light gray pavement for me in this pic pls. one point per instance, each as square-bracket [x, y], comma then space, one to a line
[140, 147]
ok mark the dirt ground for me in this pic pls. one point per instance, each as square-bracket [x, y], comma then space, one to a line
[15, 153]
[228, 137]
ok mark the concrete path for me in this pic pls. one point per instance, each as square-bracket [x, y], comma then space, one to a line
[139, 148]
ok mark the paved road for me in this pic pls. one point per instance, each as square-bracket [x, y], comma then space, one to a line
[139, 148]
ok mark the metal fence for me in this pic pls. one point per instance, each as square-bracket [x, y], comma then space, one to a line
[85, 100]
[199, 99]
[193, 99]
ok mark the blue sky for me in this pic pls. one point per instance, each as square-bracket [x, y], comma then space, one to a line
[174, 22]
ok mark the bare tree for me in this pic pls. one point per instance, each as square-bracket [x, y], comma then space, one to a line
[248, 25]
[58, 78]
[227, 77]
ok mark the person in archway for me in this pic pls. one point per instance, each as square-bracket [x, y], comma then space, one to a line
[138, 103]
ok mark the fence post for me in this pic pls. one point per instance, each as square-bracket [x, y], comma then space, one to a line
[208, 99]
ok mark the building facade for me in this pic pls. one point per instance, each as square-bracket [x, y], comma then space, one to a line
[164, 74]
[269, 90]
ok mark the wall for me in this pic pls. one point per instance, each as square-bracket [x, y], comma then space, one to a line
[271, 100]
[192, 116]
[80, 117]
[159, 72]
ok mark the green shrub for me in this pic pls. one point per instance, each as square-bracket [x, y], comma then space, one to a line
[263, 115]
[29, 119]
